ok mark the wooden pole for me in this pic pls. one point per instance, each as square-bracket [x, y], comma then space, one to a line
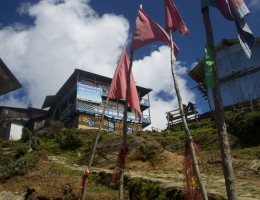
[220, 120]
[95, 147]
[185, 126]
[122, 170]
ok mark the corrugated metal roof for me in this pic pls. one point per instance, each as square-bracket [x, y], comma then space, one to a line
[8, 82]
[198, 74]
[51, 100]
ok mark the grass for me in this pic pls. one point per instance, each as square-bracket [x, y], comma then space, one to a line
[62, 169]
[94, 189]
[247, 153]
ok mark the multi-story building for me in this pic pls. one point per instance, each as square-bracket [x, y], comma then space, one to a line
[80, 101]
[238, 75]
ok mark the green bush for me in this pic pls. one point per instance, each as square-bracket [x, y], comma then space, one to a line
[194, 125]
[68, 140]
[18, 167]
[140, 189]
[148, 152]
[7, 143]
[246, 127]
[20, 149]
[26, 133]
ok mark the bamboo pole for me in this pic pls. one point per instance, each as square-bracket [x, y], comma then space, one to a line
[185, 125]
[122, 170]
[220, 120]
[95, 147]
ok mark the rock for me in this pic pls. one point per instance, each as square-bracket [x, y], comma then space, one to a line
[7, 195]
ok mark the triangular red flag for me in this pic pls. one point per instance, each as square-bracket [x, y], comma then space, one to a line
[118, 85]
[147, 31]
[173, 19]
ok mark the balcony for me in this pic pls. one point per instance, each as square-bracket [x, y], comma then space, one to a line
[90, 108]
[98, 109]
[143, 102]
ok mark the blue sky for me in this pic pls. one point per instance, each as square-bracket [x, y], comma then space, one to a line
[43, 41]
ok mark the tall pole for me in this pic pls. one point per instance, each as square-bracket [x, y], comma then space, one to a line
[220, 120]
[122, 170]
[95, 147]
[185, 125]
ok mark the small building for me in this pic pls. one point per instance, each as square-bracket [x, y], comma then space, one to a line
[80, 101]
[239, 76]
[12, 121]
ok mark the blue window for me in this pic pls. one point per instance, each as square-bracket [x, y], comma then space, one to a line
[129, 129]
[111, 125]
[91, 123]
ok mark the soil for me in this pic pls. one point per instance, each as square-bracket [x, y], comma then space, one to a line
[44, 183]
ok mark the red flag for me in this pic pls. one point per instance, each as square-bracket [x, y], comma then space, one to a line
[147, 31]
[118, 86]
[173, 19]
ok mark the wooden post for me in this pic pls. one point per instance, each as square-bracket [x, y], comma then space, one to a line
[122, 170]
[185, 126]
[95, 147]
[220, 120]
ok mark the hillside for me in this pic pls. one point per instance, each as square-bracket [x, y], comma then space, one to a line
[54, 168]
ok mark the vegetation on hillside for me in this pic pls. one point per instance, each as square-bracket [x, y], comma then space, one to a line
[19, 157]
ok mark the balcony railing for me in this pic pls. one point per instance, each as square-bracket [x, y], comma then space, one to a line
[144, 102]
[110, 112]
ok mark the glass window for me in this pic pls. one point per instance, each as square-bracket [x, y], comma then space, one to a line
[91, 123]
[111, 125]
[129, 129]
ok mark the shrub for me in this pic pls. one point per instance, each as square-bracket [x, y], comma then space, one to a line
[69, 140]
[26, 133]
[246, 127]
[20, 149]
[148, 151]
[18, 167]
[194, 125]
[7, 143]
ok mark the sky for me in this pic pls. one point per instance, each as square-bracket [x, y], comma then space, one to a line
[43, 41]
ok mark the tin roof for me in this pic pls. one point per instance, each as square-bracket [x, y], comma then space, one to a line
[198, 74]
[8, 82]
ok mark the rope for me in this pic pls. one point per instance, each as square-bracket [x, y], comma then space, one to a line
[191, 186]
[120, 163]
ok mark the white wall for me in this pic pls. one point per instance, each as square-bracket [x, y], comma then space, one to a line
[15, 132]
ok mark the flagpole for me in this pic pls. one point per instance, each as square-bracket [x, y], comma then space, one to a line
[185, 125]
[220, 120]
[122, 170]
[95, 147]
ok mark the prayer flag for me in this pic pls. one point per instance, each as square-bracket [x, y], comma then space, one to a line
[235, 10]
[173, 19]
[118, 85]
[147, 31]
[208, 63]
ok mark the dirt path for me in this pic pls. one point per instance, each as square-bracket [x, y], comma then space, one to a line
[248, 188]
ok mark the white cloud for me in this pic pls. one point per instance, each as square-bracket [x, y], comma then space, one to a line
[154, 72]
[12, 100]
[64, 36]
[69, 34]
